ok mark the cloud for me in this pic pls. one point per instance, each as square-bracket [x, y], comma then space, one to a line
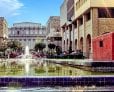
[10, 7]
[15, 14]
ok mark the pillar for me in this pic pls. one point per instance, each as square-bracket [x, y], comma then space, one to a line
[78, 40]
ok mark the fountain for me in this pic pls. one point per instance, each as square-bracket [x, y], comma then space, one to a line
[27, 50]
[27, 63]
[33, 82]
[27, 54]
[27, 59]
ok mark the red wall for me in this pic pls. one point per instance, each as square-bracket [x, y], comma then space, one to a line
[107, 51]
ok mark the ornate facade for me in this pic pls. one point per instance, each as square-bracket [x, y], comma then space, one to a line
[27, 33]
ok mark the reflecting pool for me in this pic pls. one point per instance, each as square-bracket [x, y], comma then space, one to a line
[40, 68]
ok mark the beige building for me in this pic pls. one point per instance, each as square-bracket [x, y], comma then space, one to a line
[66, 14]
[53, 31]
[63, 21]
[90, 19]
[3, 32]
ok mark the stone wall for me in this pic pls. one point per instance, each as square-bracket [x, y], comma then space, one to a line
[105, 25]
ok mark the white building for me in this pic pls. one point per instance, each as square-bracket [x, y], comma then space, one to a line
[27, 33]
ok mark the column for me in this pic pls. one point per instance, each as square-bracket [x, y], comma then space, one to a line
[66, 38]
[78, 40]
[73, 41]
[63, 47]
[70, 45]
[84, 40]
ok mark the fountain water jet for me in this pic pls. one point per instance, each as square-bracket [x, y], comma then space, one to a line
[27, 63]
[27, 59]
[27, 50]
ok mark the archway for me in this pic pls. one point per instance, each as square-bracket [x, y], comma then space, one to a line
[75, 44]
[67, 44]
[81, 44]
[64, 45]
[88, 45]
[70, 47]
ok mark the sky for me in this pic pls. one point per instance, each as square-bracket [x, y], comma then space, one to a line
[37, 11]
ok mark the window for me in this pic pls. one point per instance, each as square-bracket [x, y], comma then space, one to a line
[35, 31]
[75, 24]
[40, 32]
[17, 32]
[24, 39]
[27, 32]
[88, 16]
[101, 43]
[34, 40]
[13, 32]
[106, 13]
[81, 21]
[66, 27]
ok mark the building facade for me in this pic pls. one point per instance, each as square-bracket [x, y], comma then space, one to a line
[63, 21]
[91, 18]
[3, 32]
[67, 11]
[53, 31]
[27, 33]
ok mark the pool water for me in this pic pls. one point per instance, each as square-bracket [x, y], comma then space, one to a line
[45, 69]
[38, 89]
[58, 89]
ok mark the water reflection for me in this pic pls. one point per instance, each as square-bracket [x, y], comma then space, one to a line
[44, 69]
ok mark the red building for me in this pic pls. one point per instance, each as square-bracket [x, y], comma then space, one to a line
[103, 47]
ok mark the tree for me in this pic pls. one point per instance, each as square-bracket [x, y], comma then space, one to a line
[51, 47]
[14, 45]
[39, 46]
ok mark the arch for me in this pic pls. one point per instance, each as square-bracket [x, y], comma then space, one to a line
[88, 45]
[64, 45]
[81, 44]
[67, 44]
[75, 44]
[71, 46]
[18, 33]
